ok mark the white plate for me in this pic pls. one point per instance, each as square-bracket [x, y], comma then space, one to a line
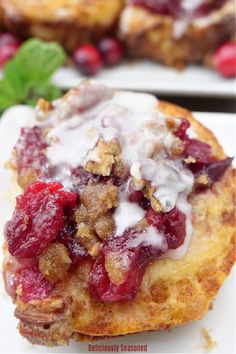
[151, 77]
[220, 322]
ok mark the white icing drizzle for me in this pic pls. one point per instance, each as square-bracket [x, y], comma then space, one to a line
[170, 180]
[127, 215]
[150, 237]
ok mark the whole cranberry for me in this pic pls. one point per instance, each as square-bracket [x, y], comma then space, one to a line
[224, 60]
[111, 50]
[88, 59]
[8, 39]
[7, 52]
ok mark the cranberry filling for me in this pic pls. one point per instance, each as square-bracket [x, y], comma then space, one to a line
[137, 258]
[33, 284]
[196, 149]
[38, 218]
[30, 150]
[172, 224]
[163, 7]
[200, 152]
[137, 255]
[205, 162]
[175, 9]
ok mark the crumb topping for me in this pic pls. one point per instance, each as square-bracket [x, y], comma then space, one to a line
[54, 262]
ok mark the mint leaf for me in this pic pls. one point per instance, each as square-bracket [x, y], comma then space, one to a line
[26, 78]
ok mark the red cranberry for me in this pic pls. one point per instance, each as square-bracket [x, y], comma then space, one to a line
[135, 196]
[88, 59]
[181, 132]
[7, 52]
[38, 218]
[172, 224]
[224, 60]
[111, 50]
[200, 151]
[154, 218]
[175, 228]
[8, 39]
[34, 285]
[137, 258]
[164, 7]
[215, 171]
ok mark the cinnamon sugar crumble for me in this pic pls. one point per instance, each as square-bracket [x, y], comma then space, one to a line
[94, 218]
[54, 262]
[98, 198]
[105, 225]
[86, 235]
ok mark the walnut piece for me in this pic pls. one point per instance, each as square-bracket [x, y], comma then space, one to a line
[54, 262]
[108, 153]
[202, 179]
[42, 108]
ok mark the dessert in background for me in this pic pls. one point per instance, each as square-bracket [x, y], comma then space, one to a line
[177, 32]
[69, 22]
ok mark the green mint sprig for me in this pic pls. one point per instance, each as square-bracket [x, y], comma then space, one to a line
[26, 77]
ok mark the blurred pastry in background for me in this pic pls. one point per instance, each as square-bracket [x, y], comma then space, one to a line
[69, 22]
[177, 32]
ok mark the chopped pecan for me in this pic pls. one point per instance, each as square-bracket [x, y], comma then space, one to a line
[148, 192]
[107, 153]
[190, 159]
[202, 180]
[42, 108]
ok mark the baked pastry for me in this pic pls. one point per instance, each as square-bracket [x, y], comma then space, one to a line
[67, 21]
[177, 32]
[126, 218]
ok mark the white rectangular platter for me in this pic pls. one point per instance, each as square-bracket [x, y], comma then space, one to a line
[151, 77]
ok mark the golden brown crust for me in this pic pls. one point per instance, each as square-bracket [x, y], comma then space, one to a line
[66, 21]
[151, 36]
[172, 291]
